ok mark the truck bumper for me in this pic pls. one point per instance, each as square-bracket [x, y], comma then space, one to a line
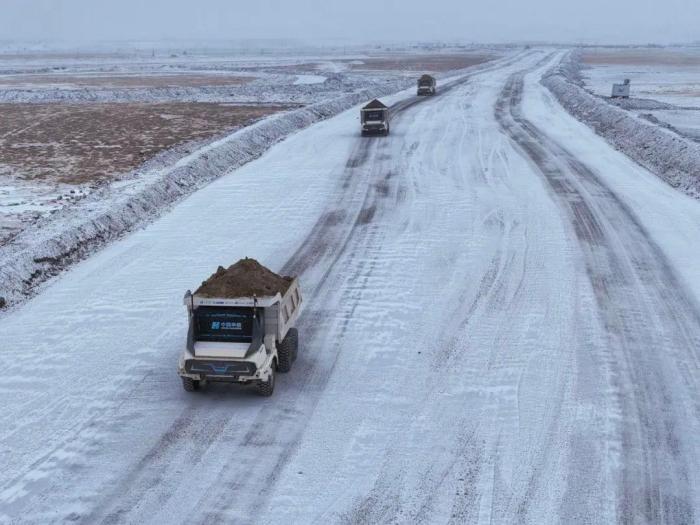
[221, 371]
[374, 130]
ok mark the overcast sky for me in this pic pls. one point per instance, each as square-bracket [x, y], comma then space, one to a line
[469, 20]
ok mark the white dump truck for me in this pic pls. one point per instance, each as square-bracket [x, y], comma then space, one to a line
[241, 328]
[621, 90]
[375, 119]
[427, 85]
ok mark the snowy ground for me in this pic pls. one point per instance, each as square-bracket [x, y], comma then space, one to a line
[502, 325]
[23, 203]
[97, 117]
[276, 78]
[677, 85]
[685, 121]
[669, 76]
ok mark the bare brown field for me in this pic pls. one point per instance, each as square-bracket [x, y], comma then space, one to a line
[83, 143]
[643, 57]
[428, 62]
[64, 55]
[124, 81]
[397, 63]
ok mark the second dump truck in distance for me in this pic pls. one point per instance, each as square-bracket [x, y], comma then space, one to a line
[241, 328]
[427, 85]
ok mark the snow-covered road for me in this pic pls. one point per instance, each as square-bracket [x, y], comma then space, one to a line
[502, 325]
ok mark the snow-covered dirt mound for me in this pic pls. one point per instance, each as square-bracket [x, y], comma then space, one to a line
[267, 90]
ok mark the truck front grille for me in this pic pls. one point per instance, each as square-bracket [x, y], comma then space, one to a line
[220, 368]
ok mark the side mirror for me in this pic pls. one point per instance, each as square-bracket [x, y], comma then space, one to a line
[187, 300]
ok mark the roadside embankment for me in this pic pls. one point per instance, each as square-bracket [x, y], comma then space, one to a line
[673, 158]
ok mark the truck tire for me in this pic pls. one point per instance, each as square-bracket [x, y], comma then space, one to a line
[189, 384]
[286, 351]
[266, 388]
[294, 334]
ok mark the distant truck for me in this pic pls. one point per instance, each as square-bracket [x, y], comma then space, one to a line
[621, 90]
[241, 328]
[375, 119]
[426, 85]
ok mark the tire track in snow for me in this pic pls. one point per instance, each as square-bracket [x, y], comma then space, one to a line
[338, 227]
[354, 246]
[374, 199]
[652, 325]
[454, 471]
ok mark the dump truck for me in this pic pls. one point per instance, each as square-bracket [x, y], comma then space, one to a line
[375, 119]
[241, 328]
[621, 90]
[426, 85]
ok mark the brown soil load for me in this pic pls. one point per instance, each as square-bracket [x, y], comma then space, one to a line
[244, 279]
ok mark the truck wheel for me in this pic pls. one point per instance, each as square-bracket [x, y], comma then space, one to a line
[189, 384]
[286, 350]
[266, 388]
[294, 335]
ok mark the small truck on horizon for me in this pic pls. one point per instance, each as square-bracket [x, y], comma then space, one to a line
[241, 328]
[427, 85]
[375, 119]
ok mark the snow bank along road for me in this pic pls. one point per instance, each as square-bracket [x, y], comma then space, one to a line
[502, 325]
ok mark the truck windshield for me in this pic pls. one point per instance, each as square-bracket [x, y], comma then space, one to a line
[374, 115]
[224, 325]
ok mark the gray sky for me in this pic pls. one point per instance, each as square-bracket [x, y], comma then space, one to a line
[477, 20]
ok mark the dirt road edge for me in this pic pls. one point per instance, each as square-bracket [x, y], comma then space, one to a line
[70, 235]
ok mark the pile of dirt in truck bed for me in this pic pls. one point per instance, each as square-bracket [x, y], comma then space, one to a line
[244, 279]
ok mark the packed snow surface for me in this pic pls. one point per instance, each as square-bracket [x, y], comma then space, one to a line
[309, 79]
[502, 326]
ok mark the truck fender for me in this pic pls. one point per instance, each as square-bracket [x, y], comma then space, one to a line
[265, 370]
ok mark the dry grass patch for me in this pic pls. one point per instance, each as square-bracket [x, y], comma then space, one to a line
[123, 81]
[82, 143]
[428, 62]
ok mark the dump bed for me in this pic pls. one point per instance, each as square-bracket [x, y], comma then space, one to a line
[283, 314]
[281, 311]
[249, 284]
[426, 80]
